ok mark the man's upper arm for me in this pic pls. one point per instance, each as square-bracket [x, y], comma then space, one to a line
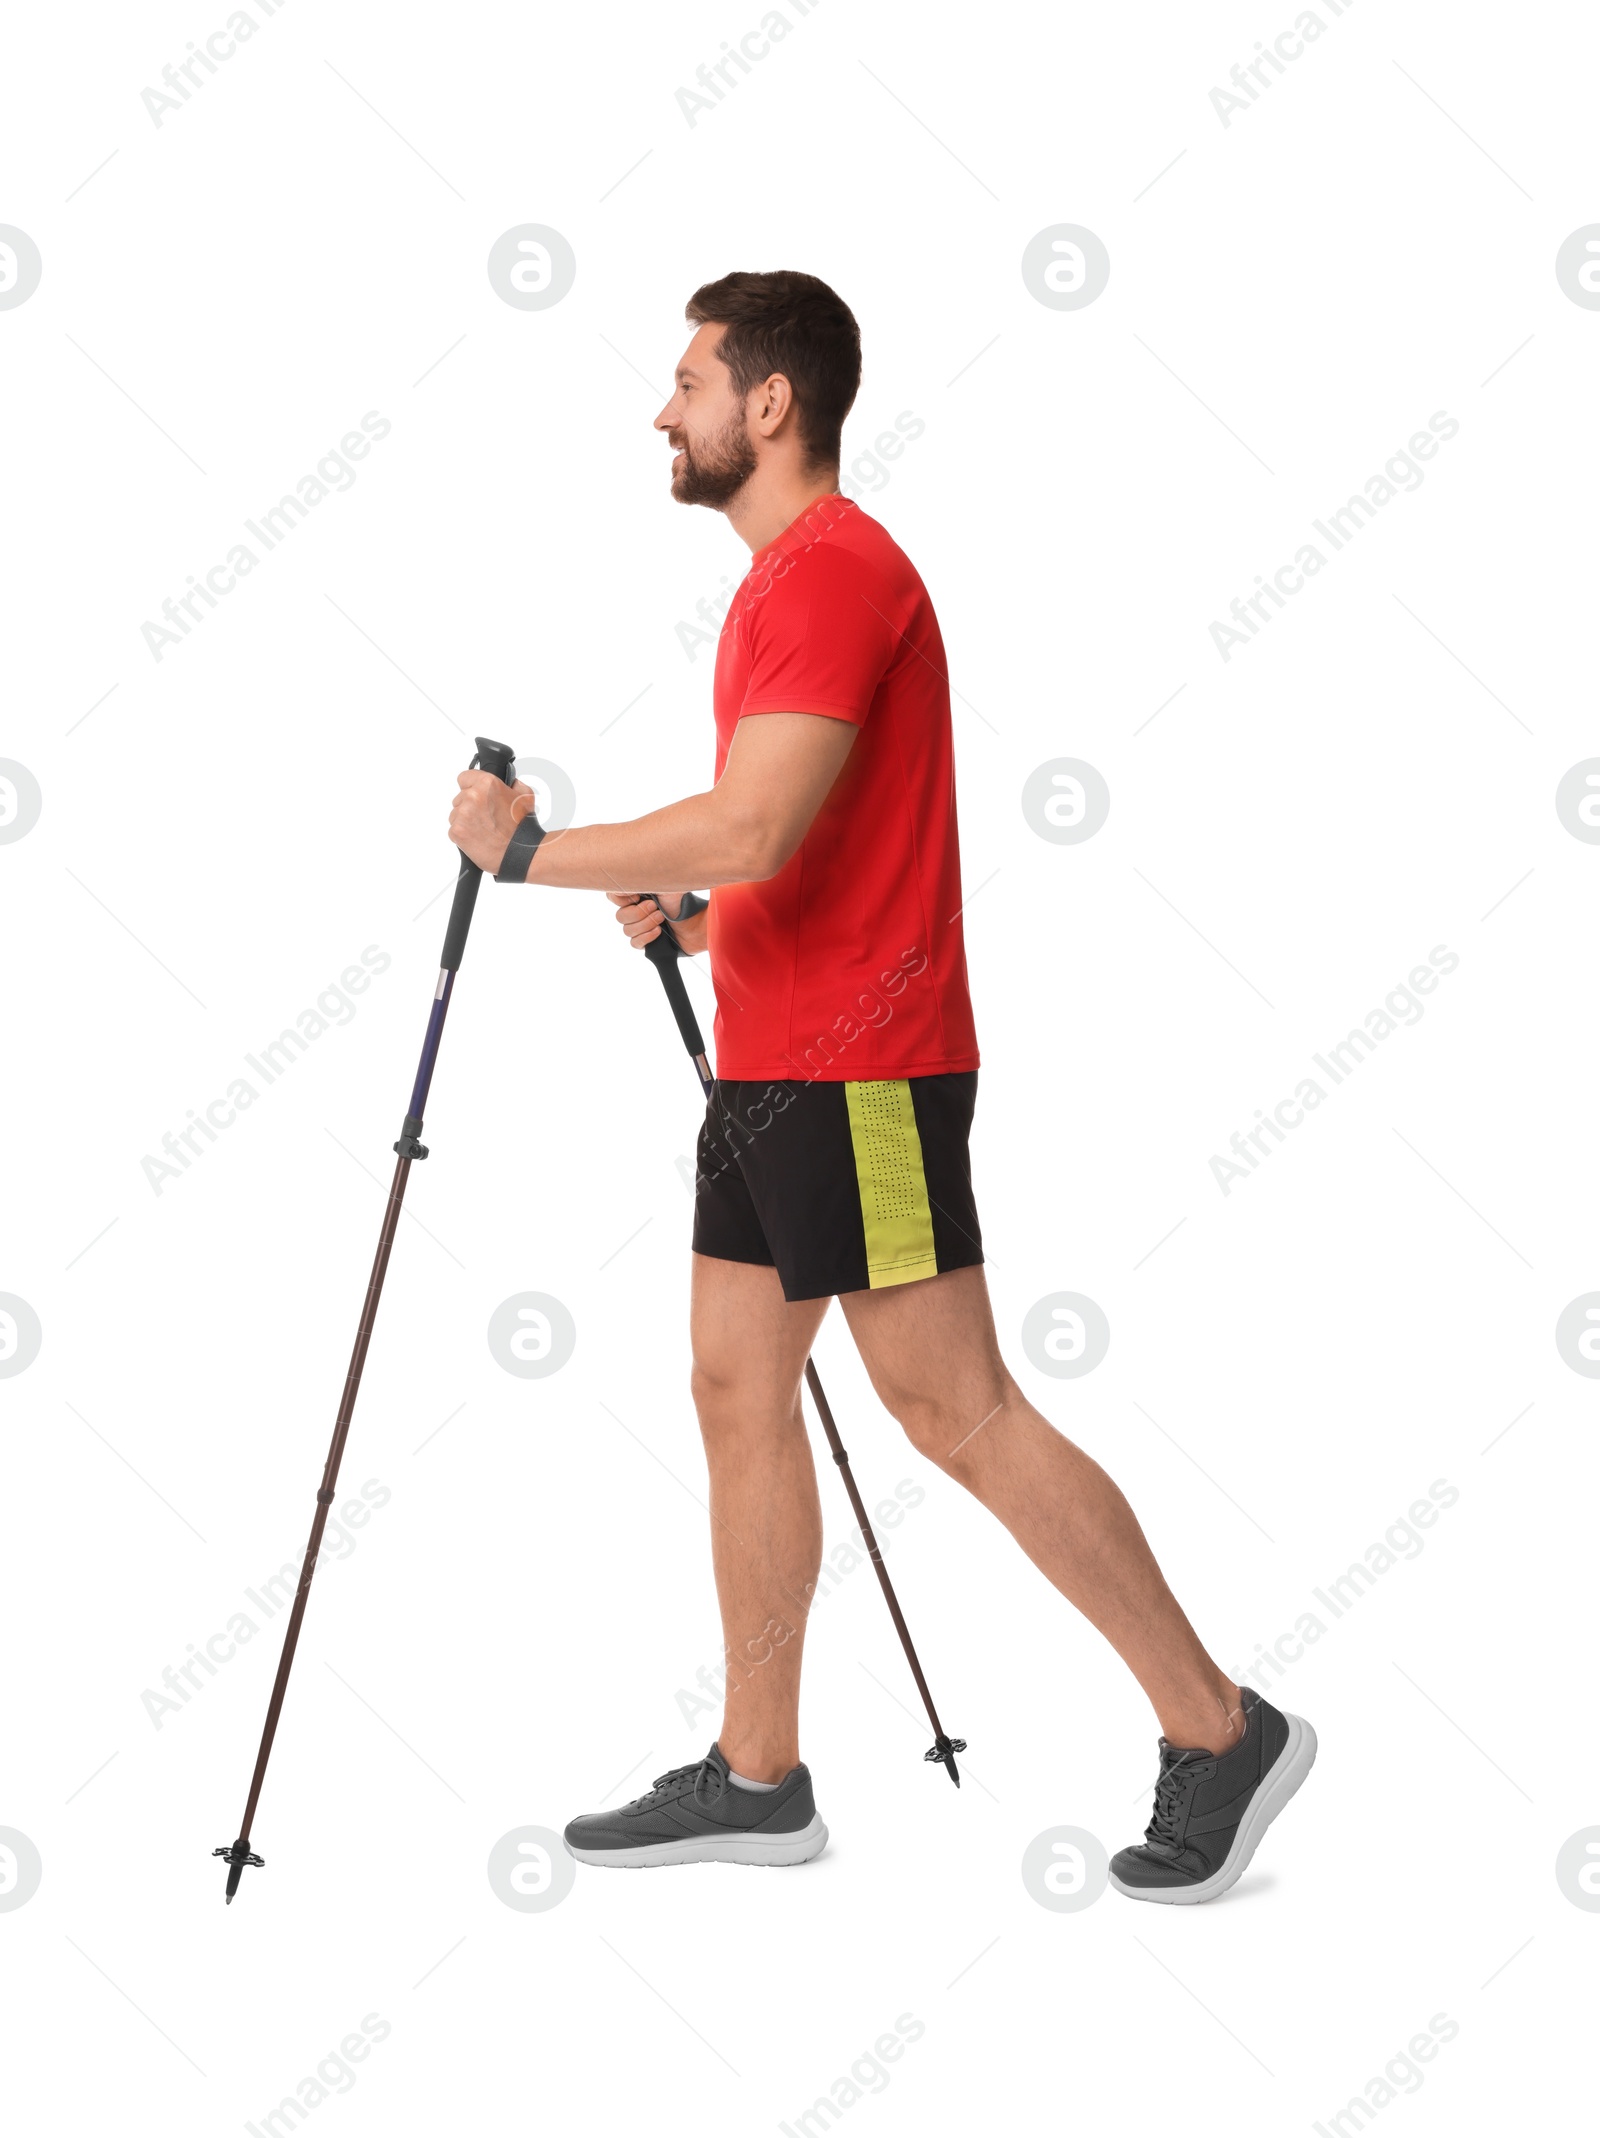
[779, 769]
[819, 642]
[819, 646]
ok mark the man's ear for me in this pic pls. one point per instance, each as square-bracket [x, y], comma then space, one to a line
[774, 402]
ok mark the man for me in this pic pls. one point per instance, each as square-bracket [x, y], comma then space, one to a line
[833, 1160]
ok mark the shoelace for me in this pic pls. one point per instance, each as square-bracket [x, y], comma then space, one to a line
[671, 1784]
[1172, 1794]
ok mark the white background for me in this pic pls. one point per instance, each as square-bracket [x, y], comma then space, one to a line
[1371, 241]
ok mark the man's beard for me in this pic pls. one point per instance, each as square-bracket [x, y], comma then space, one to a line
[717, 470]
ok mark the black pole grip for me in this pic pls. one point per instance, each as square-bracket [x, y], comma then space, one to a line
[498, 758]
[664, 954]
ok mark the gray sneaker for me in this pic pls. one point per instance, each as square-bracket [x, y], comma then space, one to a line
[1212, 1808]
[698, 1815]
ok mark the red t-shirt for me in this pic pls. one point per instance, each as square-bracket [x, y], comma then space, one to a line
[847, 965]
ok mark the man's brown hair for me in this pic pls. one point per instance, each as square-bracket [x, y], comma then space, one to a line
[789, 322]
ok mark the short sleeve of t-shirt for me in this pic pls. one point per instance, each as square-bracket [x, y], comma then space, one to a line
[818, 643]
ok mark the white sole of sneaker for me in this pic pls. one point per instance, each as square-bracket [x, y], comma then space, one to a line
[1287, 1772]
[774, 1849]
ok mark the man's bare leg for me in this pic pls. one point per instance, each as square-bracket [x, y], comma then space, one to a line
[934, 1360]
[750, 1349]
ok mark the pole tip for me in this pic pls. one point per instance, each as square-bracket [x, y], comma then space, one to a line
[945, 1749]
[237, 1857]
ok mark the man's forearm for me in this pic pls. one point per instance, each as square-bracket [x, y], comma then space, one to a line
[778, 771]
[690, 845]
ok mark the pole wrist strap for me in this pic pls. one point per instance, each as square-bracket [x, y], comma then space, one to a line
[518, 856]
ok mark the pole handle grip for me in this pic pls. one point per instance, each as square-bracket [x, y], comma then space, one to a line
[498, 758]
[665, 954]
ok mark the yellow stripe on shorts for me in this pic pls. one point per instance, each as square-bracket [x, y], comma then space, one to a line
[893, 1187]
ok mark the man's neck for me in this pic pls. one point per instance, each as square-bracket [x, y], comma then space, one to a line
[769, 503]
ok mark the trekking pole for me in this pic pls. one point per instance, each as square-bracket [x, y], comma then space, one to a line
[664, 953]
[495, 757]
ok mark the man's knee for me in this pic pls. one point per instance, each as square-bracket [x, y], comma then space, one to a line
[940, 1422]
[714, 1391]
[732, 1403]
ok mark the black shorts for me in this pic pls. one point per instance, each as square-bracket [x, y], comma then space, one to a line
[839, 1187]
